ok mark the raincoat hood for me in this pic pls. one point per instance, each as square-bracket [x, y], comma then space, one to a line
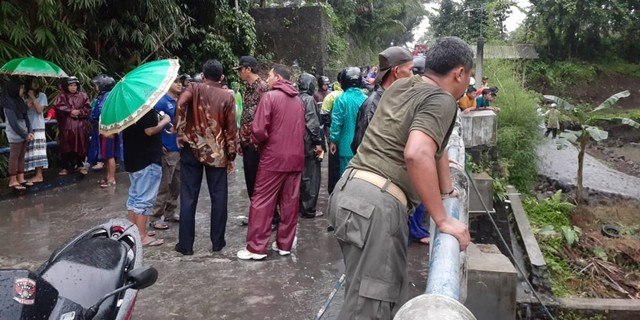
[286, 87]
[306, 83]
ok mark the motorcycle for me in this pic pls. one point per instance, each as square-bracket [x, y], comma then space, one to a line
[96, 275]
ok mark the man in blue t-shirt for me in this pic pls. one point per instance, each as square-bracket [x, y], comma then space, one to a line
[166, 204]
[483, 102]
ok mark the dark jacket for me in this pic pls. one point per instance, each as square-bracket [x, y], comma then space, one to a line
[313, 135]
[365, 114]
[278, 129]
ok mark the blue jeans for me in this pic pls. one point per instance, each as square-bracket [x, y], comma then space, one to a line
[144, 189]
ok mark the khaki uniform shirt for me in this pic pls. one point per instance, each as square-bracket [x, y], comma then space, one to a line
[408, 104]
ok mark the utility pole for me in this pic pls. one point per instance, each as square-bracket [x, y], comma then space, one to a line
[480, 48]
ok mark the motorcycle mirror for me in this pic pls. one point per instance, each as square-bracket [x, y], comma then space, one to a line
[142, 277]
[138, 278]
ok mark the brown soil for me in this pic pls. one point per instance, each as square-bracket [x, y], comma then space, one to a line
[617, 276]
[621, 151]
[599, 90]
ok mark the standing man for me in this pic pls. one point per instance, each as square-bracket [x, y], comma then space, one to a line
[344, 116]
[278, 130]
[142, 160]
[323, 89]
[395, 63]
[206, 125]
[313, 141]
[401, 162]
[167, 202]
[333, 170]
[256, 87]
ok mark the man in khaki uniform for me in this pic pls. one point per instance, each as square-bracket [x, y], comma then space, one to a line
[400, 163]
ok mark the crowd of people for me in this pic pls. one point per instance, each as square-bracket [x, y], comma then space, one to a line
[385, 131]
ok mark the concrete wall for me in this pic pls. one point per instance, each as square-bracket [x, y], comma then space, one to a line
[491, 284]
[480, 128]
[294, 34]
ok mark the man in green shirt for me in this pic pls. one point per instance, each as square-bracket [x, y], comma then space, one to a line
[401, 162]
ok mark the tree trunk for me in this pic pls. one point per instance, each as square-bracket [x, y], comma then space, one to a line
[582, 148]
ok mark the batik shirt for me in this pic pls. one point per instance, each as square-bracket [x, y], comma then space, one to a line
[252, 96]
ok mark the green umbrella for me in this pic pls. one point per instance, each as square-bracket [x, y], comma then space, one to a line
[31, 66]
[136, 94]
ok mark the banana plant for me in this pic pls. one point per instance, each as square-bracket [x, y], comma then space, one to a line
[586, 118]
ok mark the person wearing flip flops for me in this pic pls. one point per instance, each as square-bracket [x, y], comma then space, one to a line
[167, 202]
[18, 131]
[36, 154]
[142, 160]
[72, 112]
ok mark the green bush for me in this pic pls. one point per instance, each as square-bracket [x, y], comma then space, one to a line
[518, 132]
[552, 227]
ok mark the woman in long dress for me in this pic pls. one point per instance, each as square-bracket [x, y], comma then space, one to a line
[36, 155]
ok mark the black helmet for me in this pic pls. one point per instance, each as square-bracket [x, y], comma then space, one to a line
[70, 80]
[306, 83]
[197, 78]
[322, 81]
[104, 82]
[351, 78]
[418, 65]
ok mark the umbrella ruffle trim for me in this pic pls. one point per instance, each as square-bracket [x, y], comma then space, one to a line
[35, 74]
[165, 85]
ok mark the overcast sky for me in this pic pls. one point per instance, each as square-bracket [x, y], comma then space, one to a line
[512, 22]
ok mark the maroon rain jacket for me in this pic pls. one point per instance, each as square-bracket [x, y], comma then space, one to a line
[278, 129]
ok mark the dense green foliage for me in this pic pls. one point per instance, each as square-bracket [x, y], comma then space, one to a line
[467, 18]
[585, 29]
[87, 37]
[518, 134]
[588, 30]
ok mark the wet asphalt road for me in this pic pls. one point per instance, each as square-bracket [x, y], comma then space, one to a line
[206, 285]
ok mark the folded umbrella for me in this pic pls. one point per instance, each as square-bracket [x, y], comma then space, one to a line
[136, 94]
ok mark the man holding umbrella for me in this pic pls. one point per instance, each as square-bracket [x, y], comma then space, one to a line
[143, 161]
[129, 109]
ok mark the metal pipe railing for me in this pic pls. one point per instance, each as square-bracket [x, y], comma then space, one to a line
[447, 281]
[446, 261]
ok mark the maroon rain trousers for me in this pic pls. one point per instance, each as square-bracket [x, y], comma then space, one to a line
[282, 188]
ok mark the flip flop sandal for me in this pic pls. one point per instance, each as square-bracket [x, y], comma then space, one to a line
[83, 171]
[17, 187]
[27, 183]
[107, 184]
[35, 181]
[63, 172]
[154, 243]
[160, 225]
[151, 233]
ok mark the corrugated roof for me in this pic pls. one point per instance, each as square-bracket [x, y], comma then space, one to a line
[519, 51]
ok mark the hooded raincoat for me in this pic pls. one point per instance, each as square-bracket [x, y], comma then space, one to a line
[278, 130]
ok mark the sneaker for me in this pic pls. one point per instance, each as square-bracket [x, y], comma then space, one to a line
[245, 254]
[274, 247]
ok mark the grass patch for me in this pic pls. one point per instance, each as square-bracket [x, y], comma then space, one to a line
[518, 132]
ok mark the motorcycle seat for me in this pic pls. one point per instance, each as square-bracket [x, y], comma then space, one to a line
[87, 271]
